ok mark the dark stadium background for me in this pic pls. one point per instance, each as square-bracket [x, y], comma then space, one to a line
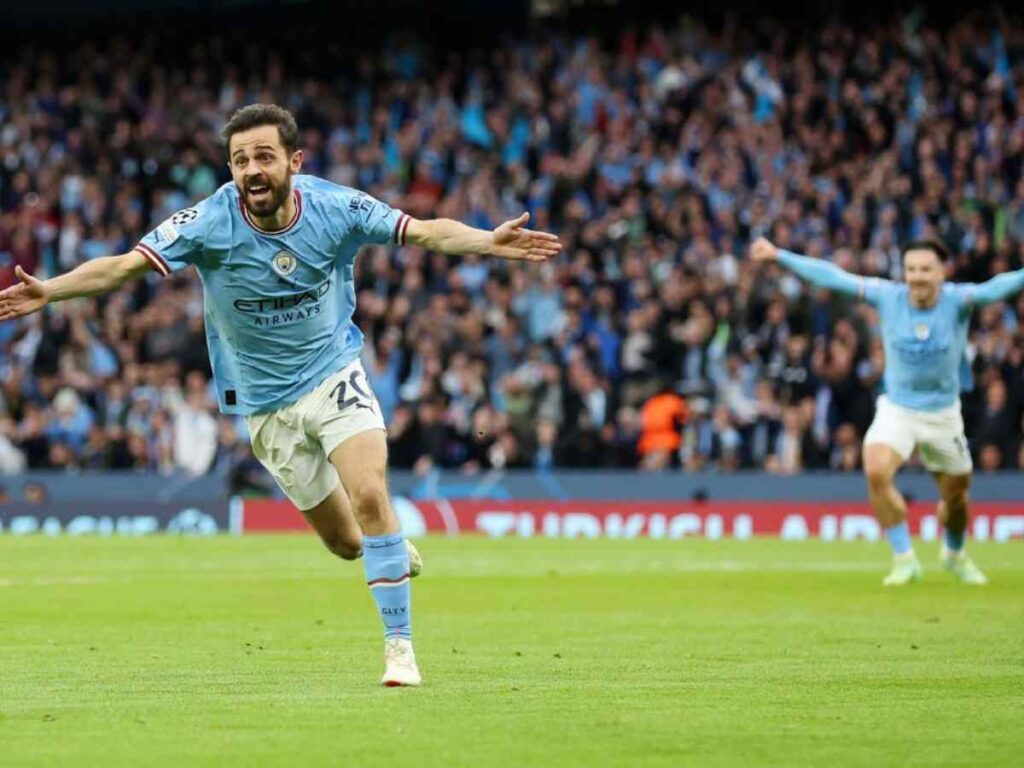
[325, 40]
[441, 21]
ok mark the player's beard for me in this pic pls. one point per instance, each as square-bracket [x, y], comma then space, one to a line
[270, 204]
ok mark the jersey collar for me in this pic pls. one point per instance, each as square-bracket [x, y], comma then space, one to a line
[288, 227]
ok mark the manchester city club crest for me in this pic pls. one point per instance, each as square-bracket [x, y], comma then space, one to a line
[284, 263]
[922, 331]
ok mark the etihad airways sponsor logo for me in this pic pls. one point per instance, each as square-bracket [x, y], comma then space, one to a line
[279, 303]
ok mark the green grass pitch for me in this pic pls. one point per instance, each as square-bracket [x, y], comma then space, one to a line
[266, 651]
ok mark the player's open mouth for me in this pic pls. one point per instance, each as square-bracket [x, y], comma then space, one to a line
[258, 191]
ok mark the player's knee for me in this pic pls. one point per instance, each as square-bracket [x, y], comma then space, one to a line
[878, 474]
[348, 551]
[370, 501]
[957, 492]
[343, 547]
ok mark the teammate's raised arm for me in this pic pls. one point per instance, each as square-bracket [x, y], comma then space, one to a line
[822, 273]
[996, 289]
[510, 240]
[94, 277]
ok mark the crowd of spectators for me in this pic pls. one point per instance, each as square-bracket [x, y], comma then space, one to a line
[657, 156]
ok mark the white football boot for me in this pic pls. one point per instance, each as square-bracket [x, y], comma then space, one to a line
[906, 569]
[962, 567]
[415, 560]
[400, 664]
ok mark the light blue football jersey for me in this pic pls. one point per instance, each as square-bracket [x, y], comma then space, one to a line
[278, 305]
[925, 349]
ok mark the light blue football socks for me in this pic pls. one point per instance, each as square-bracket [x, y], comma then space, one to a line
[899, 538]
[386, 560]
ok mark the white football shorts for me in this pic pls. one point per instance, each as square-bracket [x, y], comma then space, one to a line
[937, 435]
[294, 442]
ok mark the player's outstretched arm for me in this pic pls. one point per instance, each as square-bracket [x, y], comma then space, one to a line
[997, 288]
[817, 271]
[89, 279]
[511, 240]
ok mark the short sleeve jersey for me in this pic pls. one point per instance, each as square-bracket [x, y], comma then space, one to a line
[278, 305]
[924, 348]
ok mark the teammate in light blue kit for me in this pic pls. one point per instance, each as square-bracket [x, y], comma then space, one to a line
[275, 251]
[924, 324]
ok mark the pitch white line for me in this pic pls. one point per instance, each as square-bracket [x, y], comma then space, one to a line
[49, 581]
[486, 568]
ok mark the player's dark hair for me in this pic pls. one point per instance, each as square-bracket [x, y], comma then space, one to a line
[256, 115]
[935, 246]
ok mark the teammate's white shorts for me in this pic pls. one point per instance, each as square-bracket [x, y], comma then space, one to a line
[938, 435]
[293, 443]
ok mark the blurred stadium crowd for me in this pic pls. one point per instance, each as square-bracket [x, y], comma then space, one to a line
[656, 157]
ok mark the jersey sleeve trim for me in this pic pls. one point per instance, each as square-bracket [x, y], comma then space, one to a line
[401, 224]
[156, 261]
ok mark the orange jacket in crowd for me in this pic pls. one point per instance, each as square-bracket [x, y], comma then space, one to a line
[660, 421]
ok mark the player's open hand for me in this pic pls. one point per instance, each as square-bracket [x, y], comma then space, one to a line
[24, 298]
[512, 241]
[762, 250]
